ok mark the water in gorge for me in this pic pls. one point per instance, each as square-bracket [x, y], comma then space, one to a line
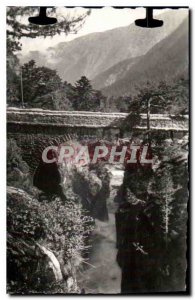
[102, 273]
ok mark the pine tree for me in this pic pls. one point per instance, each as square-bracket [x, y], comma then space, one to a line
[84, 97]
[19, 27]
[37, 82]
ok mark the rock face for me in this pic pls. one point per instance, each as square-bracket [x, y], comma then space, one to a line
[151, 225]
[133, 254]
[93, 186]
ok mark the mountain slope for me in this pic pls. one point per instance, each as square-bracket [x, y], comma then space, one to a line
[165, 60]
[114, 73]
[94, 53]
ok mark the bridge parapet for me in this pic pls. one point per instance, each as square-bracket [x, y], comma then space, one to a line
[47, 118]
[35, 129]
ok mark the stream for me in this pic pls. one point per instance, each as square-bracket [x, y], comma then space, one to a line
[103, 275]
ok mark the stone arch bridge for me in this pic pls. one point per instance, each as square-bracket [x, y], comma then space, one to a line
[35, 129]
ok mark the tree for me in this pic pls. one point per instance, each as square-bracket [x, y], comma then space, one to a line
[151, 96]
[37, 82]
[171, 98]
[18, 27]
[84, 97]
[99, 101]
[41, 87]
[13, 91]
[122, 103]
[162, 98]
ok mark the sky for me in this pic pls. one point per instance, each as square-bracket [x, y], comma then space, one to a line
[99, 20]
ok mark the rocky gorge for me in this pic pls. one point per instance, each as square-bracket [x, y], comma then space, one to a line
[107, 225]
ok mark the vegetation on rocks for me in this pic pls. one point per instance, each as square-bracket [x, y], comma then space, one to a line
[56, 226]
[152, 223]
[47, 239]
[17, 168]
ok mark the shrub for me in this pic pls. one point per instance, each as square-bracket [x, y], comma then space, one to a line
[17, 168]
[58, 226]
